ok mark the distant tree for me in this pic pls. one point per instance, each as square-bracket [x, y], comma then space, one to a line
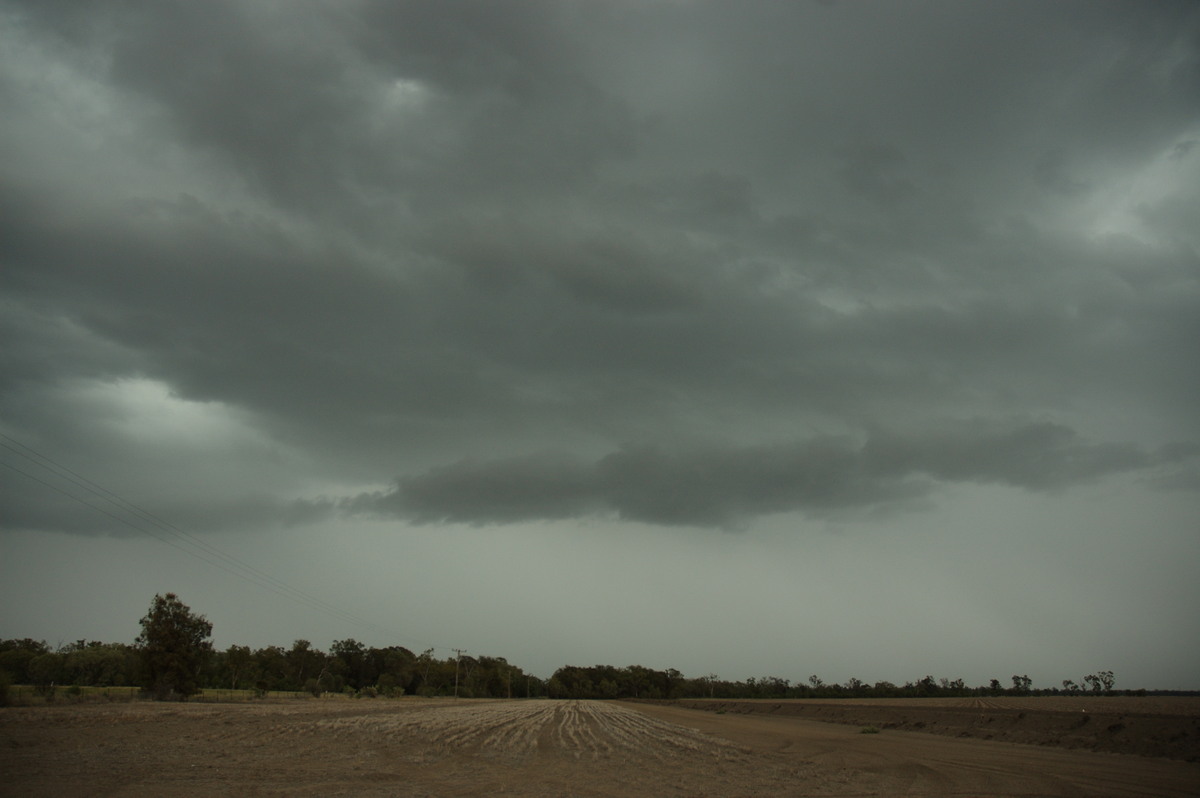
[1021, 684]
[1070, 686]
[351, 657]
[46, 672]
[927, 686]
[173, 645]
[395, 662]
[15, 656]
[238, 662]
[954, 686]
[638, 681]
[271, 670]
[305, 662]
[673, 678]
[767, 687]
[1100, 682]
[99, 664]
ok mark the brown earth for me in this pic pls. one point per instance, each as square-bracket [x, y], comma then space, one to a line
[1163, 726]
[416, 747]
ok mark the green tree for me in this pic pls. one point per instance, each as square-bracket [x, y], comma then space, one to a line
[15, 656]
[271, 668]
[174, 645]
[46, 672]
[99, 664]
[238, 665]
[398, 664]
[350, 660]
[305, 663]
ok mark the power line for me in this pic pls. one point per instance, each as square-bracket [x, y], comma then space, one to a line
[86, 503]
[147, 523]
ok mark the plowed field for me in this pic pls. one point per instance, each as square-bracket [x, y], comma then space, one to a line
[418, 747]
[1159, 726]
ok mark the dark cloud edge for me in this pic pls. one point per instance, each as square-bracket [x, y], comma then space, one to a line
[724, 487]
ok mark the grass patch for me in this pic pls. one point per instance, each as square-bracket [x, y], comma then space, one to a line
[869, 730]
[28, 696]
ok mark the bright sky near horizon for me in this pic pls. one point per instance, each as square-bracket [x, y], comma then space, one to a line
[748, 338]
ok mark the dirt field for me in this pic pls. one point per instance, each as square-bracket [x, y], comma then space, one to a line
[1148, 726]
[418, 747]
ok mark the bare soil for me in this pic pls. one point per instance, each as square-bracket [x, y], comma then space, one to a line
[416, 747]
[1162, 726]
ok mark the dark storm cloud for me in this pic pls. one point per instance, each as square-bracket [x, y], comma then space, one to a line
[875, 172]
[385, 104]
[34, 500]
[399, 235]
[731, 485]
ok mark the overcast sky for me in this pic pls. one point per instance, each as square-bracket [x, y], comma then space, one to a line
[749, 338]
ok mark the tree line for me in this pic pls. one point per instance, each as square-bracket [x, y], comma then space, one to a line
[348, 667]
[635, 681]
[173, 658]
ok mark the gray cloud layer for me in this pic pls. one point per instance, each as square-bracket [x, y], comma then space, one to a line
[722, 487]
[697, 247]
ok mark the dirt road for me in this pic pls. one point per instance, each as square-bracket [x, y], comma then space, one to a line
[537, 748]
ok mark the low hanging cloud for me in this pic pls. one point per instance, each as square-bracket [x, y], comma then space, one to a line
[723, 487]
[430, 239]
